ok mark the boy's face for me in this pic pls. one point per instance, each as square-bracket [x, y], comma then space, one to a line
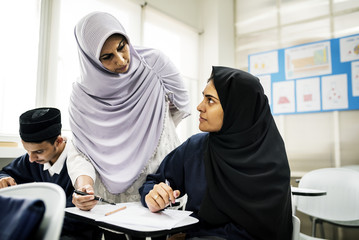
[43, 152]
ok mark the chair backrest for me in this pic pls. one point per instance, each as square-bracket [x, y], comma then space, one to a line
[341, 201]
[296, 228]
[55, 200]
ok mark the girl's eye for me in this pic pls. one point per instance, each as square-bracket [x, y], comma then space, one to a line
[106, 57]
[210, 100]
[120, 48]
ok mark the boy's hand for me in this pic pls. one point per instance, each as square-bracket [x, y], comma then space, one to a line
[87, 202]
[6, 182]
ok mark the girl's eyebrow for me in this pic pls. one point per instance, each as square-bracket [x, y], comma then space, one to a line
[123, 39]
[209, 96]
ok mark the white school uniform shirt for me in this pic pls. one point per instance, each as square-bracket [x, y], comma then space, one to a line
[58, 165]
[86, 167]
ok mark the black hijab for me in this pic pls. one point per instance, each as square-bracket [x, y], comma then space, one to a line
[246, 165]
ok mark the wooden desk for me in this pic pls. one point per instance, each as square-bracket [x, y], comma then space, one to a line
[96, 217]
[307, 192]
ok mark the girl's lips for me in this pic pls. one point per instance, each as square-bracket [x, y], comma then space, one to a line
[121, 69]
[202, 119]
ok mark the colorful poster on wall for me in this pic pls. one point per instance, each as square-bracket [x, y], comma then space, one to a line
[308, 60]
[349, 49]
[313, 77]
[335, 92]
[355, 78]
[308, 94]
[283, 97]
[264, 63]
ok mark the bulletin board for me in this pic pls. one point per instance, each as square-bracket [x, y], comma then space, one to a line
[314, 77]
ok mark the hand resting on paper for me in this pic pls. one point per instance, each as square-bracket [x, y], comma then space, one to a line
[160, 196]
[6, 182]
[87, 202]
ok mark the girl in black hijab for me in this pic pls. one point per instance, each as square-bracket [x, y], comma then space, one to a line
[237, 175]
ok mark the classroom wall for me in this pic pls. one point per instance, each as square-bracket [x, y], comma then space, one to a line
[312, 140]
[229, 32]
[214, 21]
[186, 11]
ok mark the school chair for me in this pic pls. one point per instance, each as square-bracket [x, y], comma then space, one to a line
[297, 235]
[55, 200]
[339, 206]
[296, 227]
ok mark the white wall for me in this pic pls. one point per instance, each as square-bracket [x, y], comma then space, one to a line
[217, 38]
[214, 21]
[185, 11]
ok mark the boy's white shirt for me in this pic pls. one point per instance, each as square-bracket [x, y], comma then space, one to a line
[78, 164]
[57, 167]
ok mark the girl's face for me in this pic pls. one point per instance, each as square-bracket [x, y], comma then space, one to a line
[211, 111]
[115, 54]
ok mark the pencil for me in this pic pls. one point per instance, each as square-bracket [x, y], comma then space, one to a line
[119, 209]
[168, 183]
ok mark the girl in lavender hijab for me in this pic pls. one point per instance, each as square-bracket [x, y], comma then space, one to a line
[123, 112]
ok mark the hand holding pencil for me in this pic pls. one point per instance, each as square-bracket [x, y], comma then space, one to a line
[161, 196]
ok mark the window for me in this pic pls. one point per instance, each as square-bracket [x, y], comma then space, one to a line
[48, 71]
[180, 43]
[19, 50]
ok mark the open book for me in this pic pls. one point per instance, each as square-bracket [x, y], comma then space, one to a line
[136, 217]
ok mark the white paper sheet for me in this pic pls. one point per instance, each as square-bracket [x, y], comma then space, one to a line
[137, 217]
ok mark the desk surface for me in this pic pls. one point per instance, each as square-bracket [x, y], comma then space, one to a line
[307, 192]
[184, 225]
[114, 222]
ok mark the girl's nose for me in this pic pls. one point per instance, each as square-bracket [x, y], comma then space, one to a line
[120, 60]
[200, 107]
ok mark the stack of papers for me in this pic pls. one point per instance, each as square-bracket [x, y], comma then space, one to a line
[137, 217]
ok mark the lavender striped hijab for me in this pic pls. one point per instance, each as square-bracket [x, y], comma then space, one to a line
[117, 119]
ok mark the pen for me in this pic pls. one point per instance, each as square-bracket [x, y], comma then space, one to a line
[168, 183]
[96, 197]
